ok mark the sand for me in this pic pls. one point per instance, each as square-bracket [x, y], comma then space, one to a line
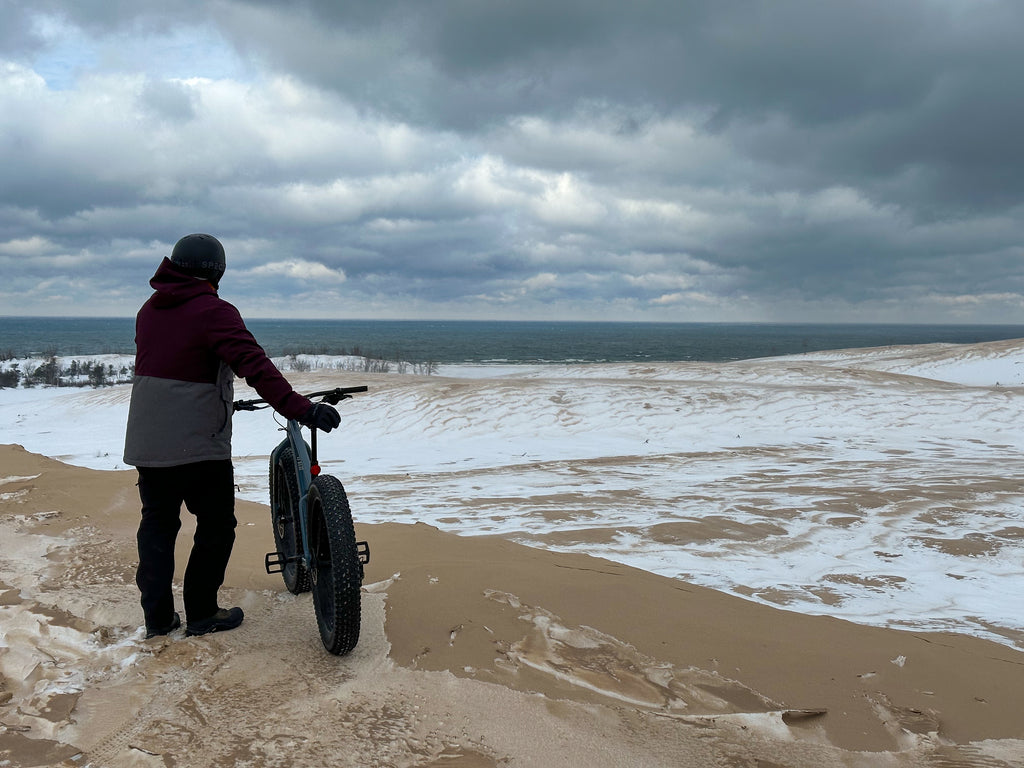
[475, 652]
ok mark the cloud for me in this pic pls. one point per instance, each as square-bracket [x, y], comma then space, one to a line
[29, 247]
[658, 160]
[297, 269]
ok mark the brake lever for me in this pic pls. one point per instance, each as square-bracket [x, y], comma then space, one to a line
[335, 397]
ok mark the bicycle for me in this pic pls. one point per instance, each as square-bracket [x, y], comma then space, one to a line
[313, 531]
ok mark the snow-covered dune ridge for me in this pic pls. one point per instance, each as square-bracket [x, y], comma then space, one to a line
[881, 485]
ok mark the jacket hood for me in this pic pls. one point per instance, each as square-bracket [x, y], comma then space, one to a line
[174, 287]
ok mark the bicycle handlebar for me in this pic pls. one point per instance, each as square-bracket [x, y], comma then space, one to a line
[332, 396]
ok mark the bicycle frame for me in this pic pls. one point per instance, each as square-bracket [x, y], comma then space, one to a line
[306, 468]
[314, 532]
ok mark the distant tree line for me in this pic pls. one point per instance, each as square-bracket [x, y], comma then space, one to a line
[357, 359]
[52, 373]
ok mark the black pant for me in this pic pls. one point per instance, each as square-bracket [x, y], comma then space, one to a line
[208, 490]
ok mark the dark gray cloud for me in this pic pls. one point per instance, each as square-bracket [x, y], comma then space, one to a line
[912, 103]
[669, 160]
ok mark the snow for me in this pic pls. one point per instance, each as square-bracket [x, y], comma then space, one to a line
[884, 486]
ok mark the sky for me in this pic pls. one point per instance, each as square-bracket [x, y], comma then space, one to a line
[658, 160]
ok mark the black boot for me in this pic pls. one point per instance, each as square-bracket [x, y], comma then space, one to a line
[224, 618]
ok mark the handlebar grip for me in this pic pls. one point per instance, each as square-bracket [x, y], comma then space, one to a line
[336, 395]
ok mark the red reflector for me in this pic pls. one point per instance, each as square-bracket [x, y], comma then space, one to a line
[314, 470]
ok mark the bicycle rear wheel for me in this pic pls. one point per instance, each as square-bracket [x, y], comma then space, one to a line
[284, 513]
[337, 572]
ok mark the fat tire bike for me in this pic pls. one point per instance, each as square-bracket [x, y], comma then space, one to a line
[315, 538]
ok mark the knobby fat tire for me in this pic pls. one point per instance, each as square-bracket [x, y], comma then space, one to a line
[338, 573]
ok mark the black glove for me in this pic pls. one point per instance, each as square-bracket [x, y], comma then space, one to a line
[321, 416]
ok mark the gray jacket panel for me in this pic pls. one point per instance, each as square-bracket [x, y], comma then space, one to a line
[174, 422]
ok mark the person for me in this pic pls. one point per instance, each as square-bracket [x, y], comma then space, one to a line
[190, 344]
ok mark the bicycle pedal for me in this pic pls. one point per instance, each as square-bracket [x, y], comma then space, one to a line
[275, 562]
[363, 548]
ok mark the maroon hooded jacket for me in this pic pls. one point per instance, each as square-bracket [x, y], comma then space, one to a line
[190, 344]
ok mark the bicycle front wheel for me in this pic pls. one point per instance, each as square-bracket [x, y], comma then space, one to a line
[337, 572]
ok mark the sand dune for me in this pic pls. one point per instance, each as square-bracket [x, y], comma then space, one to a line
[882, 486]
[475, 652]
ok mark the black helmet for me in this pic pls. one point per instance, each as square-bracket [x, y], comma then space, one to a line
[200, 256]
